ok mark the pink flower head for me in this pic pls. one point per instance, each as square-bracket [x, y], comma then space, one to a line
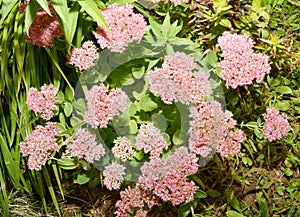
[113, 175]
[125, 27]
[275, 125]
[134, 201]
[84, 57]
[150, 140]
[44, 28]
[39, 145]
[212, 129]
[85, 146]
[123, 149]
[241, 65]
[103, 106]
[166, 177]
[43, 101]
[175, 81]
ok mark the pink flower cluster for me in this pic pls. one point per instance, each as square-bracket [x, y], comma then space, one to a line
[134, 202]
[85, 146]
[166, 177]
[44, 28]
[123, 149]
[84, 57]
[175, 2]
[102, 106]
[39, 145]
[113, 175]
[175, 81]
[241, 65]
[275, 125]
[43, 101]
[212, 129]
[150, 140]
[125, 27]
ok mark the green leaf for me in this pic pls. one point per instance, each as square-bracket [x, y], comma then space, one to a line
[60, 97]
[83, 177]
[68, 109]
[30, 13]
[211, 58]
[133, 127]
[258, 133]
[166, 25]
[159, 121]
[177, 140]
[213, 193]
[6, 8]
[282, 105]
[225, 22]
[69, 94]
[147, 104]
[263, 209]
[155, 28]
[80, 105]
[200, 194]
[92, 9]
[66, 163]
[44, 5]
[138, 72]
[247, 161]
[184, 210]
[284, 90]
[232, 213]
[233, 201]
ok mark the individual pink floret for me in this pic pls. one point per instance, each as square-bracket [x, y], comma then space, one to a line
[240, 65]
[44, 28]
[125, 27]
[150, 140]
[113, 175]
[175, 81]
[103, 106]
[123, 149]
[275, 125]
[39, 145]
[42, 102]
[85, 56]
[85, 146]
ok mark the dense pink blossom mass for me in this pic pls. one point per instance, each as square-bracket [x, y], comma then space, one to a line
[85, 146]
[85, 56]
[162, 179]
[240, 65]
[102, 105]
[123, 149]
[166, 177]
[125, 27]
[39, 145]
[44, 28]
[42, 102]
[176, 82]
[212, 129]
[275, 125]
[150, 140]
[135, 201]
[113, 175]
